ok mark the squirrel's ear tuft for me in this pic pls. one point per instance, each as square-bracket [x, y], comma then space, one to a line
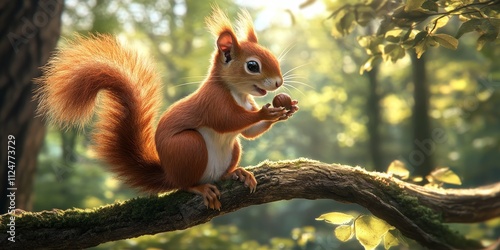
[219, 23]
[245, 27]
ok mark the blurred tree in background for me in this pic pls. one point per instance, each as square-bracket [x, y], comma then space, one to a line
[25, 46]
[345, 117]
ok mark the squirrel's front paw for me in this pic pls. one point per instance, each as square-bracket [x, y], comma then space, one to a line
[290, 112]
[272, 114]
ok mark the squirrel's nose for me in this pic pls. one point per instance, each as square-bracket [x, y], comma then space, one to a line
[278, 83]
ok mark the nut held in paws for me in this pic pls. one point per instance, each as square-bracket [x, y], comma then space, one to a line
[282, 100]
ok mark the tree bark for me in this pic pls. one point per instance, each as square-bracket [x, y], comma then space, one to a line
[29, 31]
[418, 212]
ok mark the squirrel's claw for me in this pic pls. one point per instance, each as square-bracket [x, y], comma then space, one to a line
[210, 194]
[244, 176]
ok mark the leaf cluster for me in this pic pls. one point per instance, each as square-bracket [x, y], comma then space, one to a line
[436, 178]
[369, 230]
[415, 25]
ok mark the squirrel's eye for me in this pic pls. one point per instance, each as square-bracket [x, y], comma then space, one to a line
[253, 66]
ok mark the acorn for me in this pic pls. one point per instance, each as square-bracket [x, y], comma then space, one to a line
[282, 100]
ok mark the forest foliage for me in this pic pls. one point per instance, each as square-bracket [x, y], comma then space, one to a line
[326, 45]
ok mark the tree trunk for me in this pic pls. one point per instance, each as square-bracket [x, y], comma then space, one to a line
[424, 144]
[373, 107]
[30, 30]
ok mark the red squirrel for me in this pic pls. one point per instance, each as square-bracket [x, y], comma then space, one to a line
[196, 141]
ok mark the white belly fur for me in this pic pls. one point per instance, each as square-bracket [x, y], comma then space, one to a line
[220, 152]
[220, 146]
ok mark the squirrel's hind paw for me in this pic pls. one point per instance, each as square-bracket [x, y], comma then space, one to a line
[210, 194]
[244, 176]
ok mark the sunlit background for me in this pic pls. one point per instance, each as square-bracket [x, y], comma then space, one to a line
[331, 125]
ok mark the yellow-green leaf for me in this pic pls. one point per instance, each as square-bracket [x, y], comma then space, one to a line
[390, 240]
[389, 48]
[368, 65]
[398, 168]
[468, 26]
[420, 49]
[446, 41]
[446, 175]
[369, 230]
[364, 15]
[489, 36]
[344, 232]
[344, 23]
[439, 22]
[336, 218]
[417, 179]
[420, 37]
[364, 41]
[413, 5]
[430, 6]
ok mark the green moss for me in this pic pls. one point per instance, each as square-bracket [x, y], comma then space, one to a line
[426, 218]
[145, 209]
[280, 163]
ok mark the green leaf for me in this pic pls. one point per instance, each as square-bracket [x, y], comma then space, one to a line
[489, 36]
[431, 41]
[364, 41]
[346, 22]
[364, 14]
[398, 168]
[385, 26]
[344, 232]
[430, 5]
[438, 22]
[370, 230]
[368, 65]
[446, 41]
[371, 44]
[413, 5]
[421, 43]
[397, 54]
[446, 175]
[392, 39]
[420, 37]
[390, 241]
[420, 49]
[407, 34]
[337, 30]
[468, 26]
[336, 218]
[393, 52]
[389, 48]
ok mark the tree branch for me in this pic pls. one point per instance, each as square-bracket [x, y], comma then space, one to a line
[416, 211]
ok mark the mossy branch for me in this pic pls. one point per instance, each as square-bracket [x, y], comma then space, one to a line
[418, 212]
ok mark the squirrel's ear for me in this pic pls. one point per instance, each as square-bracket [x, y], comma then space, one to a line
[227, 45]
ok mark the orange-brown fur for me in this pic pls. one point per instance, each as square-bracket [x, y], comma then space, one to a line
[175, 154]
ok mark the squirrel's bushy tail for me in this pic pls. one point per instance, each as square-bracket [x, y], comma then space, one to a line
[128, 103]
